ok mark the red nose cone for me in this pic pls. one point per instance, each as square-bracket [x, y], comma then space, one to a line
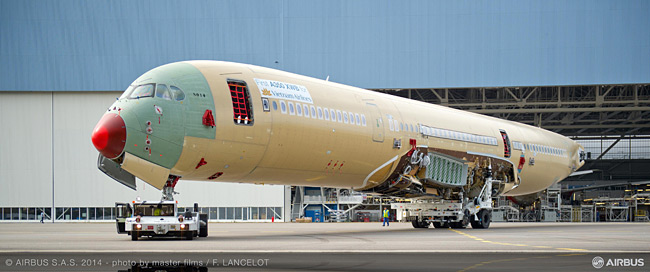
[109, 136]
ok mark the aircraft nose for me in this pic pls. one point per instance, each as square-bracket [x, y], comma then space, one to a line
[109, 135]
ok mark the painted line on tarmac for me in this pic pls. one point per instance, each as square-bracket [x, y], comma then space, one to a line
[571, 249]
[569, 255]
[511, 244]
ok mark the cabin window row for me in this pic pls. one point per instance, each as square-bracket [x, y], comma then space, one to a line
[311, 111]
[398, 126]
[458, 136]
[547, 150]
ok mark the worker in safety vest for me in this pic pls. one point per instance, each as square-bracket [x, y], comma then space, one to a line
[386, 217]
[158, 210]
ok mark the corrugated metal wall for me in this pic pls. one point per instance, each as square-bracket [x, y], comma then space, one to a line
[73, 45]
[26, 159]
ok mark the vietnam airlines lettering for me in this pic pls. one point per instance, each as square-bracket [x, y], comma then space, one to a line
[283, 90]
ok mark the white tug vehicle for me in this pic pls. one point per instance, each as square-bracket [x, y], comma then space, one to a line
[160, 219]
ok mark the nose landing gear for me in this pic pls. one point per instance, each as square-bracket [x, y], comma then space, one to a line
[168, 190]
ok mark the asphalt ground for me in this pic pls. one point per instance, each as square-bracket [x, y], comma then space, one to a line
[330, 247]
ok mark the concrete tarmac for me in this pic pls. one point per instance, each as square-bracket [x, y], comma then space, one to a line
[229, 237]
[336, 246]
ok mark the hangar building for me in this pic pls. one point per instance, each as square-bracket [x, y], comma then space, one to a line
[579, 68]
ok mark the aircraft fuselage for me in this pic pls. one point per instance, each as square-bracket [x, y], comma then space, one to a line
[275, 127]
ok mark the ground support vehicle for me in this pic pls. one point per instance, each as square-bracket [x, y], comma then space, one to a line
[443, 213]
[160, 219]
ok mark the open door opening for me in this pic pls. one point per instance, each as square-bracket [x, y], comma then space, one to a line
[122, 211]
[115, 171]
[507, 151]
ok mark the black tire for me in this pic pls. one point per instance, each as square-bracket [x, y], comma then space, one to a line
[203, 230]
[420, 224]
[189, 235]
[440, 225]
[134, 236]
[475, 224]
[484, 219]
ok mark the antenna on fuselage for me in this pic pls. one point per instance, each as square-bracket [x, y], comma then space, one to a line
[328, 78]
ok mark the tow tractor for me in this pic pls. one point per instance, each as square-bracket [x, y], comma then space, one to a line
[159, 218]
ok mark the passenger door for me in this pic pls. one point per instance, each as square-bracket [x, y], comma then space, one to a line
[376, 122]
[507, 148]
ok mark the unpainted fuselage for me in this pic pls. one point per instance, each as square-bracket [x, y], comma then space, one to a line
[342, 136]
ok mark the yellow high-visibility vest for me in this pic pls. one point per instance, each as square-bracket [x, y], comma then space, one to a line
[385, 213]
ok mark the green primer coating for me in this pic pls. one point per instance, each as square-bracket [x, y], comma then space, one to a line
[446, 170]
[178, 118]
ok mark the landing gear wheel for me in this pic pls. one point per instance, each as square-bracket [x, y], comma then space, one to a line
[484, 218]
[440, 225]
[189, 235]
[134, 236]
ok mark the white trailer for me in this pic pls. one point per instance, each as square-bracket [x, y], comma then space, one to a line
[160, 219]
[450, 213]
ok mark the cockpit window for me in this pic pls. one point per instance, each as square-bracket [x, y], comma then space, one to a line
[127, 92]
[142, 91]
[177, 93]
[163, 92]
